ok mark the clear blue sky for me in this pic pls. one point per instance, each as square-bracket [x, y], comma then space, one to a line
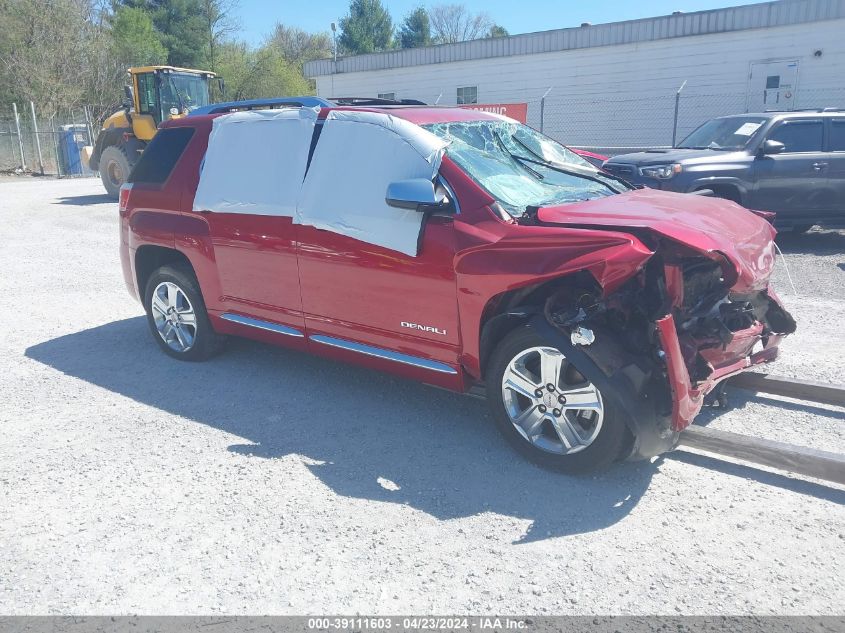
[258, 17]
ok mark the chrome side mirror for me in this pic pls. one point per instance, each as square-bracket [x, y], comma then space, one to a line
[417, 194]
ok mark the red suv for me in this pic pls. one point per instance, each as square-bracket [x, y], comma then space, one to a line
[457, 248]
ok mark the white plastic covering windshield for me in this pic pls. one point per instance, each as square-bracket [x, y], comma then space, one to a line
[256, 161]
[357, 156]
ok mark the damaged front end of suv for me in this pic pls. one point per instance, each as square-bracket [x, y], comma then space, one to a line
[653, 298]
[698, 311]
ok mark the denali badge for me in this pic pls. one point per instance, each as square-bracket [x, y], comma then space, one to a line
[424, 328]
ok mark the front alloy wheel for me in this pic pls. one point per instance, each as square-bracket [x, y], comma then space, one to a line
[549, 403]
[548, 410]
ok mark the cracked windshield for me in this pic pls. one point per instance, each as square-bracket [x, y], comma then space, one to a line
[520, 167]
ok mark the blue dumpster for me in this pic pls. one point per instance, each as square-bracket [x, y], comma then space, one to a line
[72, 138]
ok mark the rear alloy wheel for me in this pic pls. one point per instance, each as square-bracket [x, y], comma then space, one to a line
[174, 316]
[548, 410]
[177, 317]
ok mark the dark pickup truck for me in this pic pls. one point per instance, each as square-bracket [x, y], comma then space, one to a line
[792, 163]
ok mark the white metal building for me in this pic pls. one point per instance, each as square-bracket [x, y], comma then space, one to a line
[613, 85]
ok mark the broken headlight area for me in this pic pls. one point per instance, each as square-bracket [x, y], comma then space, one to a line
[677, 329]
[717, 327]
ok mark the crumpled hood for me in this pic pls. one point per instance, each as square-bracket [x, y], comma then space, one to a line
[707, 225]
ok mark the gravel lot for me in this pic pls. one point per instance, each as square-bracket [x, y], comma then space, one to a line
[272, 482]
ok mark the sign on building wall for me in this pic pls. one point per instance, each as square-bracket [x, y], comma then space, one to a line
[517, 111]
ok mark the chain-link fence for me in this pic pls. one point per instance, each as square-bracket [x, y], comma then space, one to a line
[608, 125]
[617, 124]
[30, 142]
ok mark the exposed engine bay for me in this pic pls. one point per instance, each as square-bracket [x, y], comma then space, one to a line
[655, 302]
[676, 329]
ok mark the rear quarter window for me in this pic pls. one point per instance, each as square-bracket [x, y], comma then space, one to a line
[161, 155]
[837, 135]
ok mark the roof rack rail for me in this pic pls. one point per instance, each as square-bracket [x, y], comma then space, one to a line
[298, 102]
[263, 104]
[374, 101]
[808, 110]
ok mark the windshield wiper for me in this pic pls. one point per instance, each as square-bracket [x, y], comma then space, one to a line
[575, 171]
[519, 160]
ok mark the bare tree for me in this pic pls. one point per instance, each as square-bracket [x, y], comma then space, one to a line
[452, 23]
[220, 23]
[58, 55]
[104, 77]
[298, 46]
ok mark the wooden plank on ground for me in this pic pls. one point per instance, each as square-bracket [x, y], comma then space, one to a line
[797, 459]
[790, 387]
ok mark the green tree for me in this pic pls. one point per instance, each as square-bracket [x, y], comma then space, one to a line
[182, 27]
[367, 28]
[498, 31]
[136, 41]
[256, 73]
[415, 30]
[183, 31]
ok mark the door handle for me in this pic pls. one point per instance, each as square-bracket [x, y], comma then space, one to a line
[819, 166]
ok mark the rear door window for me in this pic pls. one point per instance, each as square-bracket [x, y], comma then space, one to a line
[160, 156]
[256, 161]
[837, 135]
[799, 136]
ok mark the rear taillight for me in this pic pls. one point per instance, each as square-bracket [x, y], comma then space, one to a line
[123, 197]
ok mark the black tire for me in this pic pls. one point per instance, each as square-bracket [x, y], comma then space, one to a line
[206, 342]
[608, 445]
[114, 170]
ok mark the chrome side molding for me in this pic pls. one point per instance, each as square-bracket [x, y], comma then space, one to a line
[378, 352]
[262, 325]
[367, 350]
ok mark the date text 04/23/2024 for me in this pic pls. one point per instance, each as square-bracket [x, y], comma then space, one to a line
[420, 623]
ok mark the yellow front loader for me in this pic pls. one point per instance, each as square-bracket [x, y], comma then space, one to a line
[154, 94]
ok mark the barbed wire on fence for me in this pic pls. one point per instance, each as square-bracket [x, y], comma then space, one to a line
[612, 124]
[619, 124]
